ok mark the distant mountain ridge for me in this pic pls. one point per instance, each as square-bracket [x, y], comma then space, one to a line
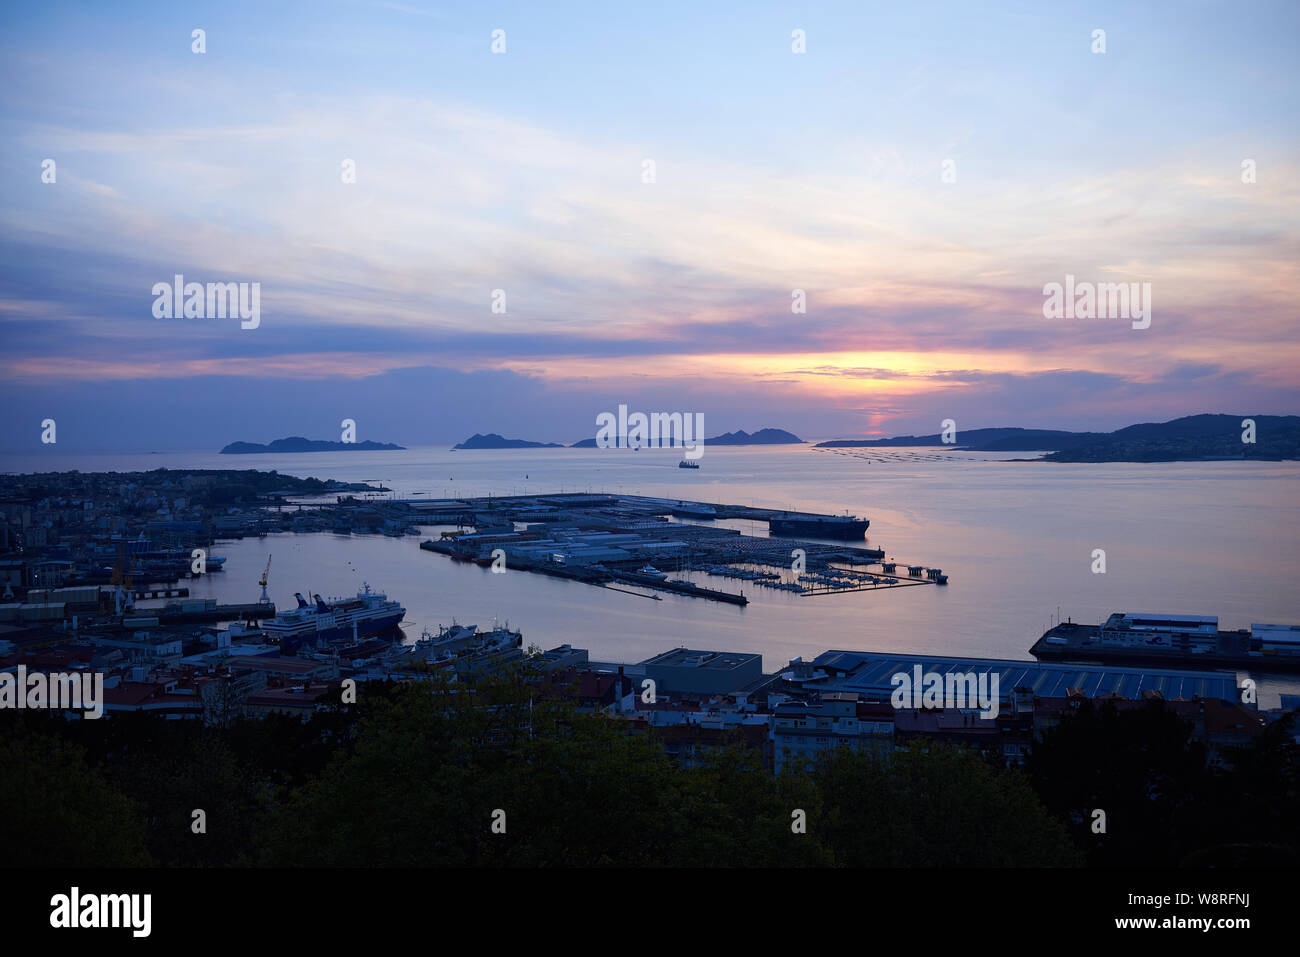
[494, 441]
[739, 437]
[981, 440]
[1277, 437]
[761, 437]
[296, 443]
[1192, 437]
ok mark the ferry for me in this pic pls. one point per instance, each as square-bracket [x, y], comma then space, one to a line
[685, 464]
[340, 619]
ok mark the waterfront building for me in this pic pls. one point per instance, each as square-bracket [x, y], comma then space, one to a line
[801, 731]
[1280, 640]
[871, 675]
[722, 672]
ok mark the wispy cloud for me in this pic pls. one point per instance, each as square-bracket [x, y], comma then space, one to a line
[470, 184]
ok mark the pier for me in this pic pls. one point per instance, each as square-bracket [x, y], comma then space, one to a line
[170, 615]
[681, 588]
[639, 540]
[840, 580]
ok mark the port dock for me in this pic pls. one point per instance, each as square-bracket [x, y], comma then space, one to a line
[663, 544]
[209, 610]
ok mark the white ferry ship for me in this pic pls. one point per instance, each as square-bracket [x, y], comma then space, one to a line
[339, 619]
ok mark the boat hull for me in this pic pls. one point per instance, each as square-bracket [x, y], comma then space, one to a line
[340, 633]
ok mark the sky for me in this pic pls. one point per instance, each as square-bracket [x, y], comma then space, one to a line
[920, 172]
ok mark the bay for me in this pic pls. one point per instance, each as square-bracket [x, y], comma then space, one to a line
[1016, 539]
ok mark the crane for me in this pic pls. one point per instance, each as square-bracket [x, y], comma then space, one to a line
[121, 581]
[265, 599]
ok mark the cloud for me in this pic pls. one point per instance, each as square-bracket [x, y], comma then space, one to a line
[917, 292]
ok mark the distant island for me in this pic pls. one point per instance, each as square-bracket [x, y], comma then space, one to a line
[1191, 438]
[741, 437]
[981, 440]
[494, 441]
[296, 443]
[761, 437]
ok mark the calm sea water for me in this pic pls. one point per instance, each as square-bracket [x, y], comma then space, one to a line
[1015, 537]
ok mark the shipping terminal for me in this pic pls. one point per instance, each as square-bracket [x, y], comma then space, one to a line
[1161, 640]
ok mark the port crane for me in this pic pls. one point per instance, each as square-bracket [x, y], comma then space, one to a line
[121, 581]
[265, 599]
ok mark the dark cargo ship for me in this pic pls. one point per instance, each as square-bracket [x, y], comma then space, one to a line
[841, 527]
[1159, 640]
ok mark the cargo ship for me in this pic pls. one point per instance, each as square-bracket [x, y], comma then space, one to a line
[369, 613]
[842, 527]
[1191, 641]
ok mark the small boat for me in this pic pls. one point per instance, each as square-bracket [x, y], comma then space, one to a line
[684, 464]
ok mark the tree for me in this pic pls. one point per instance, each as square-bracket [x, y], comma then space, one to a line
[60, 812]
[939, 807]
[1141, 767]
